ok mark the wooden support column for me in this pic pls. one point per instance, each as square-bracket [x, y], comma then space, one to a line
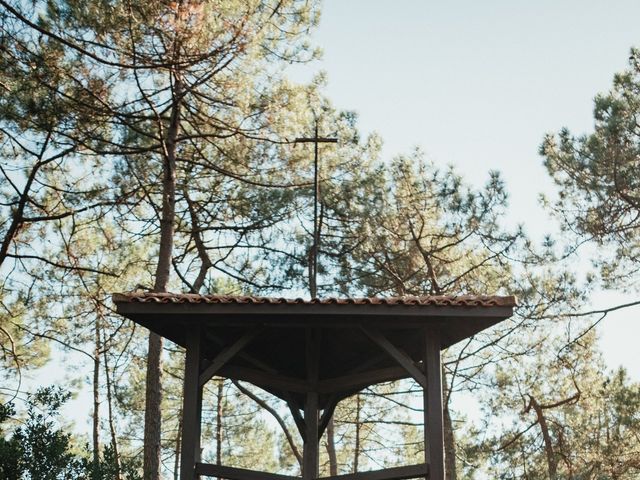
[433, 422]
[310, 456]
[191, 407]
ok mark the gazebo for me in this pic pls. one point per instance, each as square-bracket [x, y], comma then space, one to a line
[312, 354]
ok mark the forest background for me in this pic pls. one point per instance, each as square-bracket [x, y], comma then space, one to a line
[477, 89]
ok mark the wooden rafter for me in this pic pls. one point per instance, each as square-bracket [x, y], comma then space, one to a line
[265, 379]
[227, 354]
[357, 381]
[402, 358]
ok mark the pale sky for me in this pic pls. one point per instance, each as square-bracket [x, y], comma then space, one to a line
[477, 84]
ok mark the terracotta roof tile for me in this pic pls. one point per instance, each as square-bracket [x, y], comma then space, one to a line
[437, 300]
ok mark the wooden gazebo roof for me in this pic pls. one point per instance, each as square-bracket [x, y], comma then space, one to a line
[273, 358]
[312, 354]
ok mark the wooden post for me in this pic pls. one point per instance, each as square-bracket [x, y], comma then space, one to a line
[310, 455]
[433, 422]
[192, 406]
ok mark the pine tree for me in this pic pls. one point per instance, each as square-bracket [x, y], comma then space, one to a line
[598, 180]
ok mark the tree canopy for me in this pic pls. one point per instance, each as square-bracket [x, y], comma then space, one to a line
[151, 145]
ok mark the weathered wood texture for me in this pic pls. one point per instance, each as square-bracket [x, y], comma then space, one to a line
[394, 473]
[433, 428]
[311, 453]
[227, 354]
[192, 407]
[232, 473]
[400, 357]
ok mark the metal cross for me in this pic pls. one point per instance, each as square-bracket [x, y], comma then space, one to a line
[313, 266]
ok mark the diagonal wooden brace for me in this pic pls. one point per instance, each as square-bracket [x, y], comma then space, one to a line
[327, 413]
[298, 418]
[227, 354]
[402, 358]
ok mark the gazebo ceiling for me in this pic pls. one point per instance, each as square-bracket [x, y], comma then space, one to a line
[272, 332]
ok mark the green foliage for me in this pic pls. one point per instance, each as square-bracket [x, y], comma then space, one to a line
[598, 203]
[247, 439]
[40, 450]
[561, 417]
[97, 114]
[198, 90]
[598, 178]
[111, 467]
[10, 451]
[417, 229]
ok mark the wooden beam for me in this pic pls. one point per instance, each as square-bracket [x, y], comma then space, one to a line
[368, 364]
[298, 418]
[227, 354]
[357, 381]
[265, 379]
[283, 394]
[244, 355]
[402, 358]
[311, 453]
[232, 473]
[311, 314]
[433, 421]
[394, 473]
[327, 413]
[192, 407]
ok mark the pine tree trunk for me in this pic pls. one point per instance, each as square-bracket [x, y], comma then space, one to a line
[219, 414]
[356, 450]
[449, 446]
[331, 448]
[176, 463]
[96, 399]
[152, 418]
[112, 429]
